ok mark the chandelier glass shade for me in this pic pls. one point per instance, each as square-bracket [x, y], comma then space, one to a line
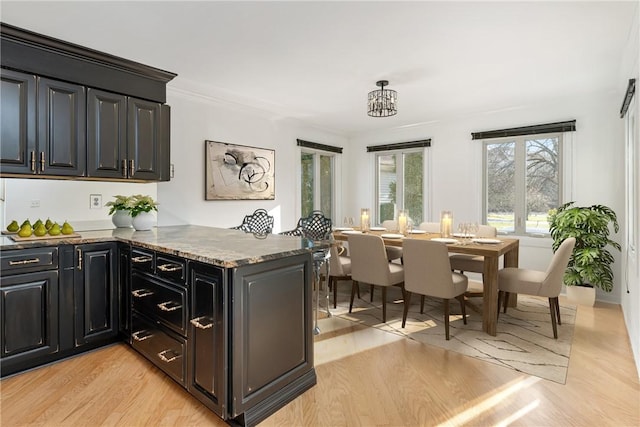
[382, 102]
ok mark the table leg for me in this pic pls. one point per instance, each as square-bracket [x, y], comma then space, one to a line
[511, 260]
[490, 295]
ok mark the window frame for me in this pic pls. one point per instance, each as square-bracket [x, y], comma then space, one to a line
[317, 182]
[520, 154]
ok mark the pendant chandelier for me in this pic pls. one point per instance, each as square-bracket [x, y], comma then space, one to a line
[382, 102]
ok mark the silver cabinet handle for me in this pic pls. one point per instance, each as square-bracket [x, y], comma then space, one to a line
[42, 161]
[169, 267]
[132, 169]
[141, 259]
[164, 358]
[79, 259]
[33, 161]
[25, 261]
[164, 306]
[141, 293]
[141, 335]
[124, 168]
[197, 322]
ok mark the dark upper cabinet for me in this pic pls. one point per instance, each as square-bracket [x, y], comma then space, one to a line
[106, 134]
[61, 128]
[144, 133]
[96, 293]
[17, 122]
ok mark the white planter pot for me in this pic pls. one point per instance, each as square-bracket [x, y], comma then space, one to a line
[121, 219]
[144, 221]
[582, 295]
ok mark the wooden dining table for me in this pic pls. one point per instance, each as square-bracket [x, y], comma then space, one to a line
[491, 252]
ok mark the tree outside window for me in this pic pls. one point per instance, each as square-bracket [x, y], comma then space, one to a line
[400, 184]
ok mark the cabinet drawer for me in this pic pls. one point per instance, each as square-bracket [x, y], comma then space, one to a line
[165, 350]
[142, 260]
[160, 301]
[171, 268]
[25, 260]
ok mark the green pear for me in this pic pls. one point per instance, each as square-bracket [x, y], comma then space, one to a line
[25, 230]
[25, 222]
[40, 230]
[13, 227]
[48, 223]
[67, 228]
[37, 224]
[55, 229]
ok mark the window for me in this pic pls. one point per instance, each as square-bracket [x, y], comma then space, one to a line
[399, 184]
[317, 177]
[522, 182]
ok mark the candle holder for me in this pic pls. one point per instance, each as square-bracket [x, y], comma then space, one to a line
[365, 221]
[403, 221]
[446, 223]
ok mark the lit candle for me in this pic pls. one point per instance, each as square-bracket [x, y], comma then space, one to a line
[446, 223]
[364, 219]
[402, 222]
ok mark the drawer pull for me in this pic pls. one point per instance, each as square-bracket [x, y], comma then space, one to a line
[164, 358]
[141, 335]
[197, 322]
[141, 259]
[141, 293]
[169, 267]
[164, 306]
[25, 261]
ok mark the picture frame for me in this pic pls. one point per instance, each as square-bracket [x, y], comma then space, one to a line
[239, 172]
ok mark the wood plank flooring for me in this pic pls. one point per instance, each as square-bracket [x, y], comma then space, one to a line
[365, 378]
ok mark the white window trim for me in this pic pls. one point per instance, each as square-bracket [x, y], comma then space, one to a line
[337, 177]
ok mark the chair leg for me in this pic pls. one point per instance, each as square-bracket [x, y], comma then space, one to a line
[463, 308]
[407, 301]
[446, 317]
[500, 296]
[558, 310]
[506, 301]
[358, 290]
[371, 289]
[333, 283]
[384, 304]
[353, 292]
[552, 309]
[422, 304]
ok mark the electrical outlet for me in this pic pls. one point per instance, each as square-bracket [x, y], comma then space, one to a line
[35, 203]
[95, 201]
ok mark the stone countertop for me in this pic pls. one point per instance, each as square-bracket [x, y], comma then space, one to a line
[218, 246]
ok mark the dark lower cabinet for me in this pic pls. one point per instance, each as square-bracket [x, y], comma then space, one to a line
[95, 293]
[124, 290]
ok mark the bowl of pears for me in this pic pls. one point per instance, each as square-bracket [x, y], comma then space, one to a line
[46, 229]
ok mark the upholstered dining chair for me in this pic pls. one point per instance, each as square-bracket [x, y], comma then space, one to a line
[369, 264]
[473, 263]
[427, 271]
[339, 270]
[393, 252]
[259, 222]
[539, 283]
[316, 226]
[430, 227]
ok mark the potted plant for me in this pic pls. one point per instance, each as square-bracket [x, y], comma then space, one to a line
[590, 262]
[120, 208]
[141, 212]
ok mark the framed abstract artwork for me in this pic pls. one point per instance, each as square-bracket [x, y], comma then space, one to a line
[238, 172]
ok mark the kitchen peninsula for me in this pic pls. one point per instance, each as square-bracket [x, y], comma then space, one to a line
[226, 314]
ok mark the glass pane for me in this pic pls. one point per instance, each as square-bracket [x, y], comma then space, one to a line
[543, 183]
[306, 186]
[501, 187]
[386, 187]
[413, 185]
[326, 180]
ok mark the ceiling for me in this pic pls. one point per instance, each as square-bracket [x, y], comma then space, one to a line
[316, 61]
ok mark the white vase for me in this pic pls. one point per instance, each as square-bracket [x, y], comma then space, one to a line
[583, 295]
[144, 221]
[122, 219]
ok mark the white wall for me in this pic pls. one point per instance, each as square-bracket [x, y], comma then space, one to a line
[195, 119]
[455, 162]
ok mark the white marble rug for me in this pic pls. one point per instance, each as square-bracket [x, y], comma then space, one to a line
[524, 341]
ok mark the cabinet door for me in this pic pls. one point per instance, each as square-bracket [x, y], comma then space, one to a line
[29, 314]
[17, 122]
[106, 134]
[124, 291]
[61, 128]
[95, 293]
[208, 354]
[144, 132]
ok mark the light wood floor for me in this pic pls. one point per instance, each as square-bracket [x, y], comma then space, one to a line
[365, 378]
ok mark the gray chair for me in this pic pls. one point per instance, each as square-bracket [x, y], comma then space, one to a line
[339, 270]
[473, 263]
[369, 264]
[539, 283]
[393, 252]
[428, 272]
